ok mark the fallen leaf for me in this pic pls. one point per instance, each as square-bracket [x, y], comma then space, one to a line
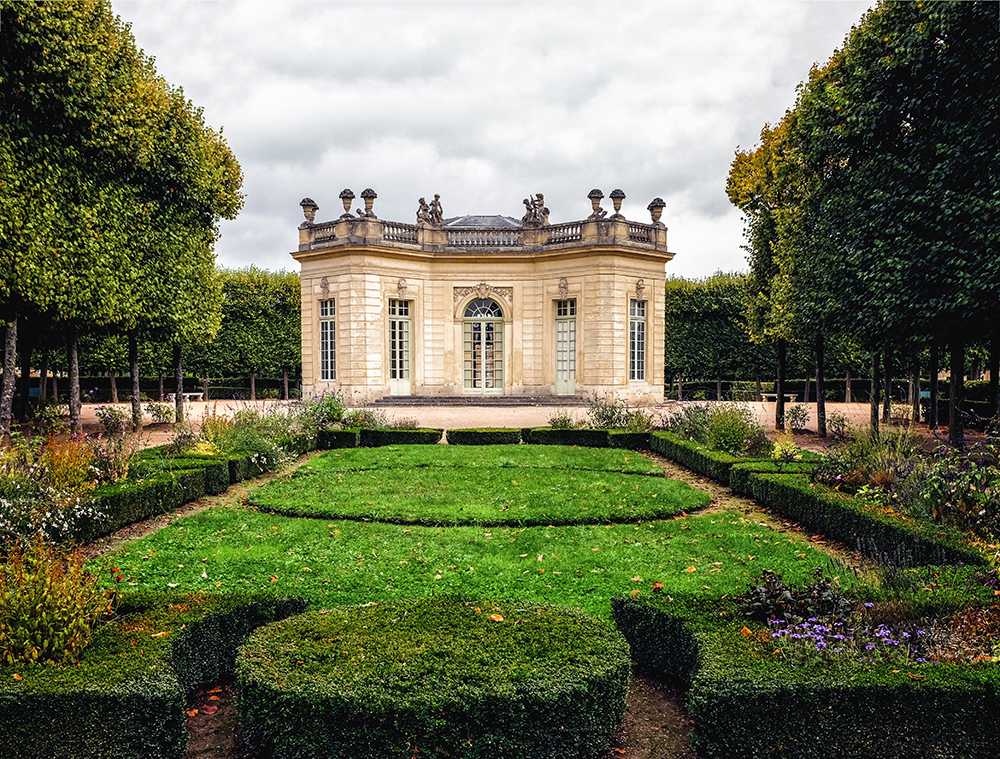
[916, 677]
[746, 631]
[216, 689]
[213, 698]
[273, 578]
[636, 579]
[209, 709]
[191, 712]
[690, 569]
[496, 617]
[657, 587]
[160, 635]
[17, 676]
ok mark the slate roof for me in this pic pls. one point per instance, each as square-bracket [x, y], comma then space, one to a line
[482, 221]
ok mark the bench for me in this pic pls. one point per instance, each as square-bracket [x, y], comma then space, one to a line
[188, 397]
[773, 397]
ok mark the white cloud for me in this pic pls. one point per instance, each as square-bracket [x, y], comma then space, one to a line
[485, 102]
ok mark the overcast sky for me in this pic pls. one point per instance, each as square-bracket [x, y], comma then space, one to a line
[488, 102]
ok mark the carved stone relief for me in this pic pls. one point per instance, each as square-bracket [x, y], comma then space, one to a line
[563, 287]
[483, 290]
[324, 286]
[640, 290]
[401, 287]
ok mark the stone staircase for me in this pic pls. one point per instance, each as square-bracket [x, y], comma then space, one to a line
[474, 401]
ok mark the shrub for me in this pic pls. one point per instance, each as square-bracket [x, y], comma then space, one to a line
[772, 599]
[403, 423]
[327, 411]
[689, 422]
[160, 413]
[838, 424]
[369, 418]
[436, 677]
[112, 419]
[607, 413]
[111, 457]
[49, 604]
[733, 429]
[796, 417]
[561, 420]
[485, 436]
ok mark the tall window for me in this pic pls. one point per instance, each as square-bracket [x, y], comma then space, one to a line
[637, 340]
[327, 341]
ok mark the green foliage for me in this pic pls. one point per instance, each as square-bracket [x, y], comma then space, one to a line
[326, 411]
[126, 696]
[770, 598]
[796, 417]
[494, 496]
[485, 436]
[49, 604]
[161, 413]
[561, 420]
[438, 676]
[366, 418]
[112, 419]
[733, 429]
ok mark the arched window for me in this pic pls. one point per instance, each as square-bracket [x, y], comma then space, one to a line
[483, 308]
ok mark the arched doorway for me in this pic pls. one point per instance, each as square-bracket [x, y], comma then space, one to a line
[482, 348]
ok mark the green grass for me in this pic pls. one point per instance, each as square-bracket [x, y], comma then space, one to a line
[477, 495]
[492, 456]
[337, 563]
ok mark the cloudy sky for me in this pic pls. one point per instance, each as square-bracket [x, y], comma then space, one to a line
[486, 102]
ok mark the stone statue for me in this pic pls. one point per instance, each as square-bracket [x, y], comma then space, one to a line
[423, 212]
[535, 212]
[436, 212]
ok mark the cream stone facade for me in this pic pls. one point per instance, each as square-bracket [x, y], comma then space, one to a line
[482, 305]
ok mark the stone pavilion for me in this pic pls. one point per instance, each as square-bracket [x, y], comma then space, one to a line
[483, 305]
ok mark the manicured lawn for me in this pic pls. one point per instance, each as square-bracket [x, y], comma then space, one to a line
[476, 495]
[333, 563]
[488, 456]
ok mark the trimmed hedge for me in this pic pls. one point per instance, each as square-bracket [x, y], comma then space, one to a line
[695, 456]
[327, 439]
[216, 469]
[744, 704]
[369, 438]
[485, 436]
[739, 474]
[634, 441]
[126, 697]
[848, 520]
[585, 438]
[434, 677]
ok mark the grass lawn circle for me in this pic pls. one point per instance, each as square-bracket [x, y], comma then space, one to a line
[436, 677]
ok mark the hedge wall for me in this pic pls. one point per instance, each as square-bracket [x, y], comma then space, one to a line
[841, 517]
[695, 456]
[484, 436]
[126, 696]
[369, 438]
[584, 438]
[634, 441]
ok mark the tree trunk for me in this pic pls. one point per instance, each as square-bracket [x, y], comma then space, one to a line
[779, 388]
[133, 367]
[956, 429]
[760, 392]
[284, 382]
[253, 386]
[820, 387]
[718, 387]
[55, 387]
[806, 395]
[114, 386]
[932, 406]
[994, 370]
[887, 385]
[847, 386]
[680, 388]
[204, 388]
[915, 388]
[43, 376]
[7, 386]
[75, 402]
[179, 382]
[876, 392]
[26, 342]
[161, 385]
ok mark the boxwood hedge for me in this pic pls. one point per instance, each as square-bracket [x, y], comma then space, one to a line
[485, 436]
[126, 696]
[585, 438]
[371, 438]
[434, 676]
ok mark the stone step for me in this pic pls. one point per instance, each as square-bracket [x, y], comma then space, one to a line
[409, 401]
